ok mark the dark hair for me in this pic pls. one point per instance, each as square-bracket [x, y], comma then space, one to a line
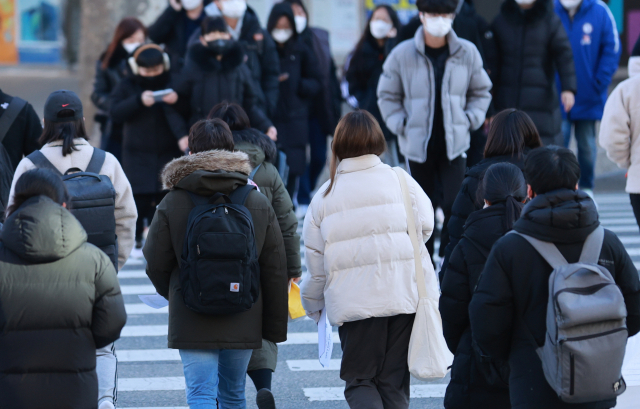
[150, 56]
[64, 131]
[357, 61]
[510, 133]
[280, 10]
[232, 114]
[213, 25]
[437, 6]
[357, 134]
[209, 135]
[126, 28]
[504, 183]
[38, 182]
[551, 168]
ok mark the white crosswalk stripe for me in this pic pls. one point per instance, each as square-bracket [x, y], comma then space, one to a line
[417, 391]
[137, 289]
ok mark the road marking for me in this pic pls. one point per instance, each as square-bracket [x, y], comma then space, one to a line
[148, 355]
[622, 229]
[132, 274]
[306, 338]
[160, 407]
[619, 220]
[613, 199]
[137, 289]
[630, 239]
[312, 365]
[634, 252]
[135, 262]
[175, 383]
[417, 392]
[140, 308]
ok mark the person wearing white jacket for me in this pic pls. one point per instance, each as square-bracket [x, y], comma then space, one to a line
[361, 263]
[620, 134]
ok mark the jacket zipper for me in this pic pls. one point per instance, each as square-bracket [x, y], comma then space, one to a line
[582, 291]
[572, 373]
[601, 334]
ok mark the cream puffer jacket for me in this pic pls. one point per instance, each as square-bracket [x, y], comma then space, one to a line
[125, 211]
[358, 251]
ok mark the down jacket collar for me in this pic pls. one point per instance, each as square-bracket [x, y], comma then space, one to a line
[359, 163]
[452, 41]
[560, 216]
[514, 13]
[207, 61]
[42, 231]
[206, 173]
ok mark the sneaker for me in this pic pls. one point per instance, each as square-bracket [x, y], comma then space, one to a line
[106, 405]
[138, 243]
[137, 253]
[264, 399]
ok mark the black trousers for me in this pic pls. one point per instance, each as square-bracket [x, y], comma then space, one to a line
[146, 205]
[374, 362]
[441, 180]
[635, 203]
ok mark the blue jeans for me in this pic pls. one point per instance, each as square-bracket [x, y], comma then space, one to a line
[585, 132]
[216, 374]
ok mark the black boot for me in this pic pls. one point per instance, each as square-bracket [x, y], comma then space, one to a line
[265, 399]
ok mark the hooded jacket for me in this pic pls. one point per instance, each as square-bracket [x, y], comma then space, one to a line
[206, 81]
[22, 137]
[596, 52]
[513, 291]
[207, 173]
[125, 211]
[262, 152]
[358, 250]
[406, 97]
[60, 301]
[468, 387]
[620, 130]
[532, 44]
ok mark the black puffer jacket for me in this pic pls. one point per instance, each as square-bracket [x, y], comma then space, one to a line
[60, 301]
[22, 137]
[514, 288]
[468, 387]
[150, 135]
[206, 81]
[468, 202]
[532, 45]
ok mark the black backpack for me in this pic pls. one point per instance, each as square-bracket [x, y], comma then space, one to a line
[6, 167]
[93, 200]
[219, 272]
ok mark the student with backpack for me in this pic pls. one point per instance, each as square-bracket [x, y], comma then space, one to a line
[558, 297]
[213, 221]
[101, 196]
[60, 300]
[477, 382]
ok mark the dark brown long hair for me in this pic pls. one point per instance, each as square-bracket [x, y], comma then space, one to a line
[38, 182]
[357, 134]
[126, 28]
[510, 133]
[64, 131]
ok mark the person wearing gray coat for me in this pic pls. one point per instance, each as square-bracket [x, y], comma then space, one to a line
[432, 94]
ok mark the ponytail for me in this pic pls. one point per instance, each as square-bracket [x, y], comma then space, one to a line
[504, 183]
[64, 131]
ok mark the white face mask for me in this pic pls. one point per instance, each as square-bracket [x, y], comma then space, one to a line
[281, 35]
[570, 4]
[191, 4]
[131, 47]
[525, 2]
[380, 28]
[301, 23]
[234, 8]
[437, 26]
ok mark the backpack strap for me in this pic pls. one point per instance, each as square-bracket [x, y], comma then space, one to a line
[239, 196]
[547, 250]
[593, 246]
[41, 161]
[96, 162]
[10, 114]
[254, 171]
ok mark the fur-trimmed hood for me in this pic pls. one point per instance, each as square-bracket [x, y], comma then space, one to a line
[513, 12]
[207, 61]
[222, 162]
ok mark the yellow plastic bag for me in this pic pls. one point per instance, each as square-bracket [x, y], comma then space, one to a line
[295, 302]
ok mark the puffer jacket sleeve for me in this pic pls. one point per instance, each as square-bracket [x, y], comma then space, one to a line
[163, 28]
[126, 212]
[391, 94]
[159, 253]
[274, 282]
[562, 55]
[463, 206]
[615, 129]
[125, 103]
[628, 281]
[492, 311]
[282, 205]
[270, 65]
[424, 216]
[313, 288]
[455, 298]
[109, 316]
[478, 95]
[101, 91]
[610, 50]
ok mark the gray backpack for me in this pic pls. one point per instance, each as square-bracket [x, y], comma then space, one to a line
[586, 325]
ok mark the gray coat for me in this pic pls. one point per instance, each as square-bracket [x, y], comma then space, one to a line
[406, 98]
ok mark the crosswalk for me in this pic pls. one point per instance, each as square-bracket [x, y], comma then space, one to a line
[150, 375]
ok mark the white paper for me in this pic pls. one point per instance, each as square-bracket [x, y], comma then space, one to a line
[154, 301]
[325, 339]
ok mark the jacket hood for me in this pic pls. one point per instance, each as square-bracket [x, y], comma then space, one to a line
[484, 227]
[206, 173]
[254, 137]
[513, 12]
[207, 61]
[560, 216]
[42, 231]
[280, 10]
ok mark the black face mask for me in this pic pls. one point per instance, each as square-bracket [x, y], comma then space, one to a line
[157, 83]
[220, 47]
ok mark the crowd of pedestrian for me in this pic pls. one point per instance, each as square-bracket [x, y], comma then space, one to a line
[214, 135]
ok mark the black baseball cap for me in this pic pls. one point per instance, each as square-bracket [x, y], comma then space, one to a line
[63, 100]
